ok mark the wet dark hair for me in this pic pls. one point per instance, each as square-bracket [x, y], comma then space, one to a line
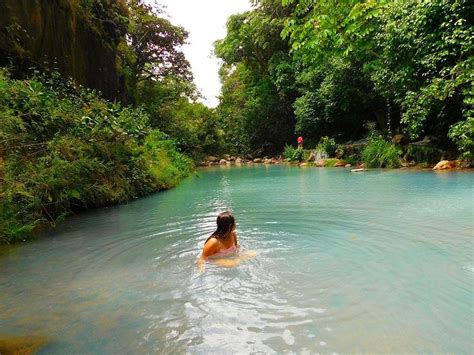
[225, 224]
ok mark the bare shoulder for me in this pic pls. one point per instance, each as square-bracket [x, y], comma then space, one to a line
[211, 241]
[211, 247]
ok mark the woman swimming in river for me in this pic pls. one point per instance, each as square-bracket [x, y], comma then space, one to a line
[223, 243]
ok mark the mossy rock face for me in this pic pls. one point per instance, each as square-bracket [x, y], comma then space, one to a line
[22, 345]
[58, 34]
[423, 154]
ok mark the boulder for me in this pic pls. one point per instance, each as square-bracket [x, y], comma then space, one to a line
[320, 163]
[226, 156]
[212, 159]
[445, 164]
[340, 163]
[465, 164]
[312, 156]
[22, 344]
[257, 160]
[348, 165]
[223, 162]
[400, 139]
[238, 161]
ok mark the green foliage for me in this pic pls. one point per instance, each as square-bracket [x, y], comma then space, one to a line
[405, 64]
[193, 125]
[110, 15]
[349, 153]
[258, 81]
[426, 51]
[63, 150]
[290, 153]
[327, 145]
[152, 51]
[330, 163]
[462, 133]
[379, 153]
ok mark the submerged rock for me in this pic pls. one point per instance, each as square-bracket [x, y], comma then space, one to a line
[22, 345]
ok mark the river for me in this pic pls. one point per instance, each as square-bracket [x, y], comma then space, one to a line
[380, 261]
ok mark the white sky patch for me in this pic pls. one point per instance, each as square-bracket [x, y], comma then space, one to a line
[205, 20]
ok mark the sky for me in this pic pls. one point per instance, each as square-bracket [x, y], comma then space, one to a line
[205, 21]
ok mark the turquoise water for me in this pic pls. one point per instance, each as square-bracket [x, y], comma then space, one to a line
[381, 261]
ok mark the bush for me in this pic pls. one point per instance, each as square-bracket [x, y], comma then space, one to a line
[328, 146]
[462, 133]
[352, 154]
[290, 152]
[64, 149]
[380, 153]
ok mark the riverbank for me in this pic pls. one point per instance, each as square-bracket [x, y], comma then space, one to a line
[227, 160]
[64, 150]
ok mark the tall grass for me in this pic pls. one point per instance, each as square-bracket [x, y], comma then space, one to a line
[291, 153]
[379, 153]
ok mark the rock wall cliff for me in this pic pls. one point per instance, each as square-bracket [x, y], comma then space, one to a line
[63, 35]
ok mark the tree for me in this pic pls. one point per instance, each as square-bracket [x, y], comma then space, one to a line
[152, 49]
[258, 114]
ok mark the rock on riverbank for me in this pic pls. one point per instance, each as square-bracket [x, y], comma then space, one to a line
[232, 160]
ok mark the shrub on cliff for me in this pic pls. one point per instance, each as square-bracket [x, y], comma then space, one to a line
[64, 149]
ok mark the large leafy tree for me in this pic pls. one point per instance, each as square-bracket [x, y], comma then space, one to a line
[159, 78]
[258, 82]
[426, 64]
[156, 44]
[405, 64]
[332, 45]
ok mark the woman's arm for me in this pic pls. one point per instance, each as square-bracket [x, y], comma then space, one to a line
[210, 248]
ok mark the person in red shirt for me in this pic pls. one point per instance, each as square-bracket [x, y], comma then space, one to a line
[300, 142]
